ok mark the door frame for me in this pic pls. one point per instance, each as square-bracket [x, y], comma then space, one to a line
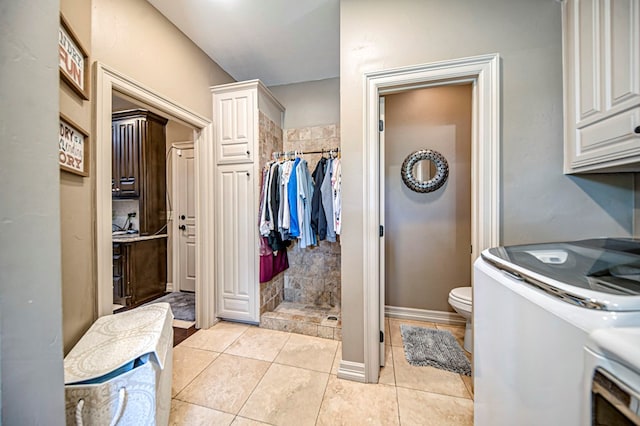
[107, 80]
[175, 231]
[483, 72]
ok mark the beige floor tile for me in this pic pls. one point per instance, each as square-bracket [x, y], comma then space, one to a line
[243, 421]
[287, 396]
[217, 338]
[309, 352]
[187, 364]
[394, 329]
[387, 332]
[225, 384]
[337, 359]
[185, 414]
[387, 375]
[429, 409]
[468, 382]
[351, 403]
[427, 379]
[259, 343]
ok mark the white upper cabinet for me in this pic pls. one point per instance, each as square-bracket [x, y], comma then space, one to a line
[601, 65]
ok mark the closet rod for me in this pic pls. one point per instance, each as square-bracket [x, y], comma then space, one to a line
[324, 151]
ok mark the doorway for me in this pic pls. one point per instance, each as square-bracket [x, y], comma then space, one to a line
[483, 74]
[184, 224]
[427, 234]
[107, 82]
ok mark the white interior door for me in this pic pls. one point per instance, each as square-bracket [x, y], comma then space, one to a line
[185, 217]
[381, 207]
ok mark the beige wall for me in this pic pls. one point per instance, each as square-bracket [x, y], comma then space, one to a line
[77, 211]
[427, 236]
[538, 201]
[312, 103]
[136, 40]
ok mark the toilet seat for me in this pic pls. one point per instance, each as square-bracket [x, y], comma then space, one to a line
[461, 295]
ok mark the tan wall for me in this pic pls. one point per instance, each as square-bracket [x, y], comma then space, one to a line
[77, 211]
[136, 40]
[539, 202]
[428, 235]
[312, 103]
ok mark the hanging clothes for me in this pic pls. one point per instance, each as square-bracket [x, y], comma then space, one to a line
[327, 201]
[336, 183]
[318, 218]
[271, 262]
[305, 195]
[292, 193]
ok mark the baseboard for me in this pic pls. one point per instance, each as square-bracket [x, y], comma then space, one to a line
[353, 371]
[169, 287]
[439, 317]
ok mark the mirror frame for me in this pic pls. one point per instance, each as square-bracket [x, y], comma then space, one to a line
[433, 184]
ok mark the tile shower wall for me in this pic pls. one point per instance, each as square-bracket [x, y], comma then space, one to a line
[270, 138]
[313, 276]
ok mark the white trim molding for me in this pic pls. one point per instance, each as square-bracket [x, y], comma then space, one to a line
[483, 72]
[353, 371]
[107, 80]
[439, 317]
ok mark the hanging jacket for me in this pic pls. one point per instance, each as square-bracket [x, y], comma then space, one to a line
[292, 193]
[318, 219]
[327, 201]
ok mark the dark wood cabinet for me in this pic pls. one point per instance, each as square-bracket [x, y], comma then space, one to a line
[139, 165]
[139, 271]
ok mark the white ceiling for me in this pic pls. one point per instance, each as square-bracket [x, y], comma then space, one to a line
[277, 41]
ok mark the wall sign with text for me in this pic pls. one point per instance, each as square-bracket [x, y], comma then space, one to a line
[73, 147]
[73, 60]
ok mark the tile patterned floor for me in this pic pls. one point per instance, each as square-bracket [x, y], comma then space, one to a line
[234, 374]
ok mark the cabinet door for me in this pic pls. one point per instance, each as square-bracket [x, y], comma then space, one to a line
[235, 118]
[602, 75]
[148, 270]
[126, 158]
[236, 250]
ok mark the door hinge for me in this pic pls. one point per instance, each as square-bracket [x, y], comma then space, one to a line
[472, 249]
[380, 125]
[381, 337]
[381, 231]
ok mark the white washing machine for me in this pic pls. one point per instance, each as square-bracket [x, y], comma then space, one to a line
[534, 307]
[612, 366]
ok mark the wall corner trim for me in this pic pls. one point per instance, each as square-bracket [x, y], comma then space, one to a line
[353, 371]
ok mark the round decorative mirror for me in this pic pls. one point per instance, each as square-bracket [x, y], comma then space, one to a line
[425, 170]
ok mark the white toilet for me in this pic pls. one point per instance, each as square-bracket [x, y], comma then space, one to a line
[460, 300]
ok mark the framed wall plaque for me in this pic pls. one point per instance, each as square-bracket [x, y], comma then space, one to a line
[73, 61]
[73, 147]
